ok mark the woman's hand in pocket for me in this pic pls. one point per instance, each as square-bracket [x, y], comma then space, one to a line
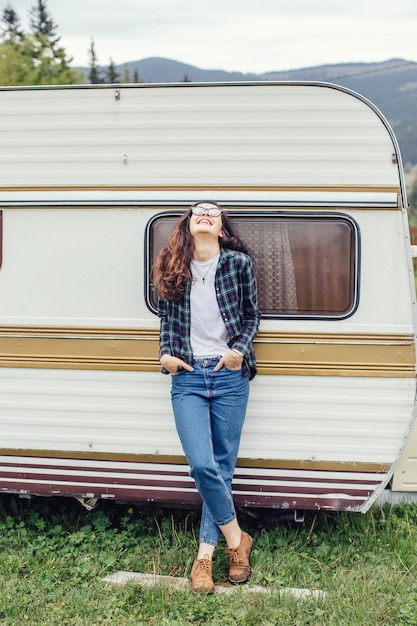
[172, 363]
[232, 360]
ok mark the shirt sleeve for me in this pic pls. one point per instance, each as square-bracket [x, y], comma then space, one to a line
[164, 335]
[251, 313]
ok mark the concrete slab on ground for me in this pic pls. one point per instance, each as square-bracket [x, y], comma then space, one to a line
[121, 578]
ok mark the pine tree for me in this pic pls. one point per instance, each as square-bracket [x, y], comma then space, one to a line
[42, 24]
[49, 58]
[11, 31]
[112, 75]
[94, 75]
[16, 63]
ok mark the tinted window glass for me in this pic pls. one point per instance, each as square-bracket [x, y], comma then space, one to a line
[306, 265]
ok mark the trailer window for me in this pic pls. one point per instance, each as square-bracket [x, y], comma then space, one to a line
[306, 264]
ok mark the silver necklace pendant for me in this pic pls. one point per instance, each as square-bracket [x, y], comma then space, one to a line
[203, 276]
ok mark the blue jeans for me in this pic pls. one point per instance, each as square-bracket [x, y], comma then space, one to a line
[209, 410]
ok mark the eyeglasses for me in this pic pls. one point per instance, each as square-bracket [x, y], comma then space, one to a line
[212, 211]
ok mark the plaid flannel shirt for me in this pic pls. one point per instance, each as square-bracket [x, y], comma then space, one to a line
[237, 298]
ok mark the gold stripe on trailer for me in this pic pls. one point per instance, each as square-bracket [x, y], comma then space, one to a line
[295, 354]
[202, 188]
[172, 460]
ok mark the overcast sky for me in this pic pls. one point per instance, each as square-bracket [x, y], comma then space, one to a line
[242, 35]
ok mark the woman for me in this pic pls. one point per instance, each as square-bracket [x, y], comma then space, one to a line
[209, 316]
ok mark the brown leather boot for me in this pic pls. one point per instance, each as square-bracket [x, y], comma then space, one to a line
[240, 570]
[201, 579]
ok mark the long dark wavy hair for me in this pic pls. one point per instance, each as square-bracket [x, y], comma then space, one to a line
[172, 267]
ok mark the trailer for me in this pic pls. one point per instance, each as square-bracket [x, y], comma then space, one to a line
[92, 179]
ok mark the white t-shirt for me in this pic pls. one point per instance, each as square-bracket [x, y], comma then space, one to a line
[208, 333]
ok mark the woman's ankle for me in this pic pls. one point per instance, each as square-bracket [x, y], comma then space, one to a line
[205, 551]
[232, 534]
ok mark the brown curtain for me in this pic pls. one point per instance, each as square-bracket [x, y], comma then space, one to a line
[271, 252]
[323, 265]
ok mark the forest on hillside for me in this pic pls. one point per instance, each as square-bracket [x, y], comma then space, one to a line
[36, 57]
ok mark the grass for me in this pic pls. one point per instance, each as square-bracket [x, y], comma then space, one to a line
[54, 555]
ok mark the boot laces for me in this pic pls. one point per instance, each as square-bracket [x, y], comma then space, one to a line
[203, 565]
[235, 555]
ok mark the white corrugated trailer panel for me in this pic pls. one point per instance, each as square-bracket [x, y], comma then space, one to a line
[192, 135]
[130, 413]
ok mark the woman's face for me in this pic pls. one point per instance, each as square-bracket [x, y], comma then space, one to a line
[206, 223]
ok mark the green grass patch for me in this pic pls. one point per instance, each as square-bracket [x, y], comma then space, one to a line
[54, 556]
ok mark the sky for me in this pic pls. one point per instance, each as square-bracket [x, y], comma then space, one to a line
[233, 35]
